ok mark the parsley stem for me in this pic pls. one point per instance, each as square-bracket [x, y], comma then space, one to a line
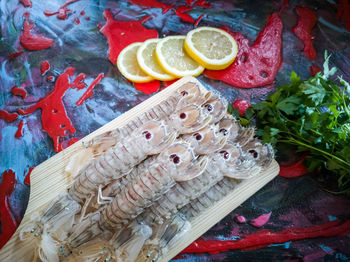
[316, 149]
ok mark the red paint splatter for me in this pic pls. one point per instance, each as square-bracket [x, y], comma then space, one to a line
[87, 18]
[88, 93]
[255, 65]
[54, 117]
[241, 105]
[285, 4]
[344, 13]
[260, 220]
[16, 91]
[26, 3]
[266, 237]
[198, 20]
[203, 3]
[76, 20]
[314, 70]
[63, 11]
[82, 13]
[30, 41]
[306, 21]
[14, 54]
[180, 12]
[19, 131]
[51, 78]
[44, 67]
[152, 4]
[8, 117]
[241, 219]
[72, 141]
[99, 26]
[146, 18]
[294, 170]
[189, 2]
[120, 34]
[148, 88]
[8, 223]
[27, 177]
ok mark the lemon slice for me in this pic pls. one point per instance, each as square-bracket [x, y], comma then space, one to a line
[128, 66]
[174, 60]
[148, 62]
[212, 48]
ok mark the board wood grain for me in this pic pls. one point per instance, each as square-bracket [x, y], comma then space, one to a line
[49, 179]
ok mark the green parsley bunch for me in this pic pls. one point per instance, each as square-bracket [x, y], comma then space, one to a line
[314, 116]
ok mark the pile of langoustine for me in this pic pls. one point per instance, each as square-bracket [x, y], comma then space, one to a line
[147, 181]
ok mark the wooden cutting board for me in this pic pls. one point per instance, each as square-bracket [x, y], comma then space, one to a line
[49, 179]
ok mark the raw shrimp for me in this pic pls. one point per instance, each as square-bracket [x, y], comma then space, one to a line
[177, 163]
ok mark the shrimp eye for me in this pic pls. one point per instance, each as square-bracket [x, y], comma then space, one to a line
[223, 131]
[209, 107]
[183, 115]
[197, 136]
[175, 158]
[225, 154]
[254, 153]
[183, 93]
[147, 135]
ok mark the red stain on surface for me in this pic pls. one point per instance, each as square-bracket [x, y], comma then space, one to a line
[82, 13]
[72, 141]
[8, 117]
[31, 41]
[255, 65]
[152, 4]
[15, 54]
[27, 177]
[260, 220]
[87, 18]
[8, 223]
[120, 34]
[54, 117]
[63, 11]
[50, 78]
[180, 12]
[285, 4]
[16, 91]
[344, 13]
[198, 20]
[89, 92]
[19, 131]
[241, 105]
[76, 20]
[189, 2]
[266, 237]
[148, 88]
[146, 18]
[314, 70]
[203, 3]
[26, 3]
[306, 21]
[241, 219]
[294, 170]
[44, 67]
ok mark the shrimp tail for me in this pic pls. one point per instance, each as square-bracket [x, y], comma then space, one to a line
[59, 212]
[175, 230]
[48, 248]
[129, 242]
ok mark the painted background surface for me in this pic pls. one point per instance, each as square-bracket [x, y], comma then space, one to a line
[49, 110]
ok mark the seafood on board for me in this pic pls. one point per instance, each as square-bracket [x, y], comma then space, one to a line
[145, 181]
